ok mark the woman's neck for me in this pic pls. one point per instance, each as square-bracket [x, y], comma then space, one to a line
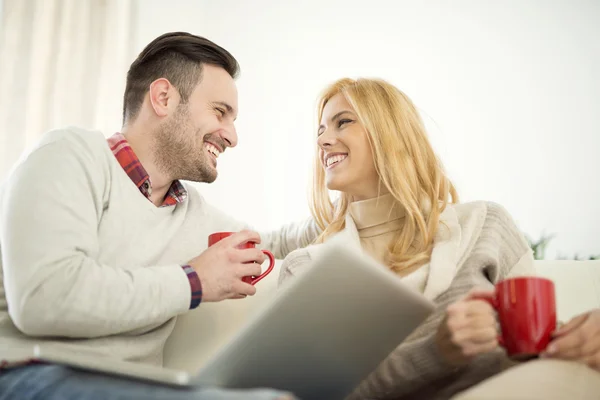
[375, 211]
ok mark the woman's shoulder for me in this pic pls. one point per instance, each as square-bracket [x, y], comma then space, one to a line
[489, 230]
[480, 209]
[485, 215]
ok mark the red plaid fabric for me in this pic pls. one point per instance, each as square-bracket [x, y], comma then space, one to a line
[134, 169]
[176, 194]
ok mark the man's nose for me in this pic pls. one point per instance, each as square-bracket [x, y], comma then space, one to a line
[229, 135]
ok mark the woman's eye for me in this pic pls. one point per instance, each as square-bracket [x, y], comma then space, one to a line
[343, 121]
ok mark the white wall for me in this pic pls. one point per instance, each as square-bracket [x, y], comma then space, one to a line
[510, 91]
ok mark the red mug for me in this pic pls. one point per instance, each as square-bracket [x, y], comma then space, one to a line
[526, 308]
[252, 280]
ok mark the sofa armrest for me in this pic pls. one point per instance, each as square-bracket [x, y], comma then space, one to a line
[538, 379]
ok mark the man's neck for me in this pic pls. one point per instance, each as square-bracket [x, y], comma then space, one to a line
[139, 138]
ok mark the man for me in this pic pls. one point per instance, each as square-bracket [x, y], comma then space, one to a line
[103, 246]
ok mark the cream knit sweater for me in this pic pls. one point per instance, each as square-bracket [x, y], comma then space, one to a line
[477, 245]
[87, 263]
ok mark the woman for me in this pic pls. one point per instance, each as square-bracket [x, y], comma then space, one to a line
[397, 202]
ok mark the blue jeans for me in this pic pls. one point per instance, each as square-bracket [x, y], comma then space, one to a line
[55, 382]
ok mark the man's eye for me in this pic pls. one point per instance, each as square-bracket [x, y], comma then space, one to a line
[221, 111]
[343, 121]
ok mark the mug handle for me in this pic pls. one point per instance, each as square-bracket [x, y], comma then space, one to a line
[255, 279]
[491, 300]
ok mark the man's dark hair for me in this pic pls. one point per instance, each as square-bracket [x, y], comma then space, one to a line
[178, 57]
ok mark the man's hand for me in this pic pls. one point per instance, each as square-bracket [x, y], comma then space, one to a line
[578, 340]
[469, 329]
[222, 266]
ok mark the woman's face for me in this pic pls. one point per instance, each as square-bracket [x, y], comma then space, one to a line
[345, 152]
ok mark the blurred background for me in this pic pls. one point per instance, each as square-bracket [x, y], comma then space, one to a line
[509, 91]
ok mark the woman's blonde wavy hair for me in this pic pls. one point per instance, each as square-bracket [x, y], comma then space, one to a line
[405, 162]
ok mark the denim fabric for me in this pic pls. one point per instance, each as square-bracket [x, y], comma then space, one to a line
[54, 382]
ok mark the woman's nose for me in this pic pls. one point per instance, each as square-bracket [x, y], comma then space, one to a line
[326, 139]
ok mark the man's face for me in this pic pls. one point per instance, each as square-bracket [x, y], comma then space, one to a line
[189, 141]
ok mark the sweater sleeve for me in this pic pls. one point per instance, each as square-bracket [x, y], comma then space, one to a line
[55, 286]
[290, 237]
[416, 366]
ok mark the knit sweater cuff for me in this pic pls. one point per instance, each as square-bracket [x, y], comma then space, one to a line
[431, 363]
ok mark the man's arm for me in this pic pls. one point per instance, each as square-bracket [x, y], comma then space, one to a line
[50, 210]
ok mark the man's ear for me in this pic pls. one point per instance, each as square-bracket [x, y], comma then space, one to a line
[163, 97]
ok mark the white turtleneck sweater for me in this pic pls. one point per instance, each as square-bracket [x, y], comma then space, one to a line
[377, 221]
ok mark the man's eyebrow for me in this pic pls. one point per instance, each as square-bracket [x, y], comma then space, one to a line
[336, 116]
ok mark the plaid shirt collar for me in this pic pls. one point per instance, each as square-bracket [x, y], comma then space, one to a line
[136, 172]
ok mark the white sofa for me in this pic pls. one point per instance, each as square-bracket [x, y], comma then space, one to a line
[198, 334]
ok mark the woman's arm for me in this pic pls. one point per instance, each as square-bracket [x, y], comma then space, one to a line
[418, 364]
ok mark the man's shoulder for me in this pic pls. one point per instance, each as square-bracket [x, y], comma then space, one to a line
[65, 146]
[75, 138]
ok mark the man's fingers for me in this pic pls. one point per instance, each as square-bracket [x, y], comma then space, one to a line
[243, 288]
[242, 237]
[567, 346]
[252, 269]
[591, 346]
[572, 324]
[592, 361]
[249, 256]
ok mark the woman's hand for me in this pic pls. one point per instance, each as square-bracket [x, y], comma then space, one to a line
[578, 340]
[469, 329]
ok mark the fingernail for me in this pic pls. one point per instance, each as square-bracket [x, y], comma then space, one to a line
[557, 330]
[551, 349]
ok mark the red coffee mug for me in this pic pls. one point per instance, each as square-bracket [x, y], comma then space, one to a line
[526, 308]
[215, 237]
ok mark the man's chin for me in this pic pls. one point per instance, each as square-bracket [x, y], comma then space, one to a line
[211, 178]
[205, 177]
